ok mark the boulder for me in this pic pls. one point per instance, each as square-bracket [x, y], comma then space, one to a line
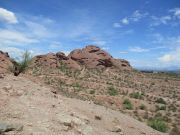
[5, 127]
[92, 57]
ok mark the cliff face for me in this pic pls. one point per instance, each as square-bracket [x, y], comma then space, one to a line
[5, 62]
[90, 57]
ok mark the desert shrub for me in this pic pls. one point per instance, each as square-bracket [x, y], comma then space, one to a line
[142, 107]
[21, 65]
[163, 107]
[158, 124]
[92, 92]
[112, 91]
[161, 101]
[127, 104]
[63, 67]
[136, 95]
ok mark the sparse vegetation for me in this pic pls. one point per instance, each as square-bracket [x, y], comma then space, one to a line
[127, 104]
[142, 107]
[92, 92]
[158, 124]
[112, 91]
[161, 101]
[136, 95]
[23, 64]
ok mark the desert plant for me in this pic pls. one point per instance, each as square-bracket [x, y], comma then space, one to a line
[21, 65]
[127, 104]
[112, 91]
[142, 107]
[92, 92]
[136, 95]
[161, 101]
[158, 124]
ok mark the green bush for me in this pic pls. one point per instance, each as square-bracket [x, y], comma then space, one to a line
[92, 92]
[136, 95]
[158, 124]
[127, 104]
[161, 101]
[163, 107]
[142, 107]
[112, 91]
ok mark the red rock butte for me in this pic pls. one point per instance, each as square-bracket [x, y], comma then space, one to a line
[91, 57]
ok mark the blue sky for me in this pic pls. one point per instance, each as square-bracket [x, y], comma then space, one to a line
[145, 32]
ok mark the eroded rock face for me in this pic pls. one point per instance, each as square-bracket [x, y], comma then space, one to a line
[54, 60]
[90, 57]
[5, 62]
[93, 57]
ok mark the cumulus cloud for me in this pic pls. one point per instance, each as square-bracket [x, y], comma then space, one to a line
[7, 16]
[171, 57]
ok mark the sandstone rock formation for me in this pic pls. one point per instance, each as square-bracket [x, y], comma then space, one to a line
[91, 57]
[5, 62]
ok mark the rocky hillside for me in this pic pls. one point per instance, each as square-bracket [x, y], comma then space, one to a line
[5, 62]
[93, 75]
[91, 57]
[29, 108]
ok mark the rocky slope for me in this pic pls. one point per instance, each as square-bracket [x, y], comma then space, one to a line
[91, 57]
[5, 62]
[28, 108]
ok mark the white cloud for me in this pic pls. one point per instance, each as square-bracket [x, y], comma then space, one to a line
[9, 36]
[134, 17]
[123, 52]
[66, 52]
[7, 16]
[137, 15]
[176, 12]
[171, 57]
[160, 20]
[13, 51]
[39, 30]
[138, 49]
[117, 25]
[125, 21]
[55, 45]
[99, 42]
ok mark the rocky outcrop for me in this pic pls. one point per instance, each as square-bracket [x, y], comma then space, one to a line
[54, 60]
[93, 57]
[5, 62]
[90, 57]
